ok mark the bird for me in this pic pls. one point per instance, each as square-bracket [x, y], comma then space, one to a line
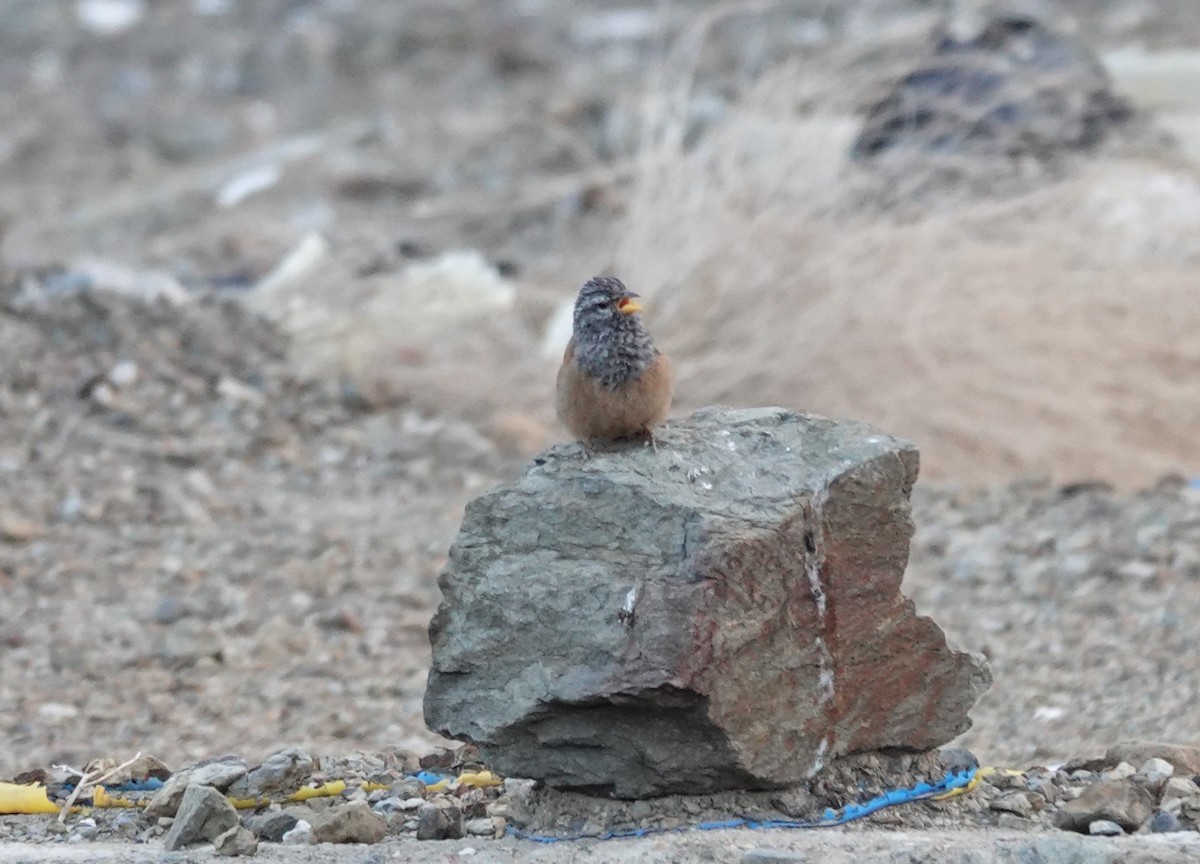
[613, 382]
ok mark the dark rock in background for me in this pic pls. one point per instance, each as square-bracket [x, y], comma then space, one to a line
[1014, 88]
[722, 612]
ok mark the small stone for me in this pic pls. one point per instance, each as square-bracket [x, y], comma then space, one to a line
[350, 823]
[439, 820]
[1156, 769]
[123, 373]
[218, 774]
[235, 391]
[57, 712]
[1047, 788]
[957, 759]
[432, 823]
[1185, 759]
[84, 829]
[126, 824]
[109, 17]
[204, 813]
[385, 807]
[481, 827]
[236, 842]
[1014, 822]
[299, 835]
[407, 788]
[1122, 801]
[280, 775]
[271, 825]
[1179, 787]
[774, 856]
[1105, 828]
[1013, 802]
[1121, 771]
[1190, 808]
[1163, 822]
[17, 529]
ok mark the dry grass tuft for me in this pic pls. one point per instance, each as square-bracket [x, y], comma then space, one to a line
[1051, 330]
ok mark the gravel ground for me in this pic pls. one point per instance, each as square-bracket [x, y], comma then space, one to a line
[204, 550]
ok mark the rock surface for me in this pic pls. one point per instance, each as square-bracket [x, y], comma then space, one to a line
[1124, 802]
[271, 825]
[350, 823]
[281, 774]
[723, 611]
[219, 774]
[204, 814]
[237, 842]
[1181, 757]
[1011, 88]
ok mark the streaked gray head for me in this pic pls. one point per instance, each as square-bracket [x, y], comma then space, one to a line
[610, 343]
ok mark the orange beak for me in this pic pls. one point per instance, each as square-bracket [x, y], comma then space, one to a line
[628, 304]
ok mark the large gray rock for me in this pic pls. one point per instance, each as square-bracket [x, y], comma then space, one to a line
[723, 611]
[1125, 802]
[204, 814]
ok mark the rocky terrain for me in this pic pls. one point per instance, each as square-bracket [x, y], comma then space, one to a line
[250, 380]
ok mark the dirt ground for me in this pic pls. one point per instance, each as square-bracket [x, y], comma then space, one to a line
[246, 394]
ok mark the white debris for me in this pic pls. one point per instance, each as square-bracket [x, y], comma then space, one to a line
[123, 373]
[109, 17]
[300, 261]
[249, 182]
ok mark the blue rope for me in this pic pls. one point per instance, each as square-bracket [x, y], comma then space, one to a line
[150, 784]
[830, 818]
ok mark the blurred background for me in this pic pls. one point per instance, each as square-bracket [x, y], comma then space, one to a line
[284, 283]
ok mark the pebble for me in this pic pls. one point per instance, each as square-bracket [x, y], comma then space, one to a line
[773, 856]
[1014, 822]
[481, 827]
[17, 529]
[1179, 787]
[385, 807]
[218, 774]
[109, 17]
[1184, 758]
[1122, 771]
[204, 813]
[1164, 822]
[407, 789]
[1156, 769]
[439, 821]
[1014, 802]
[126, 823]
[236, 842]
[1122, 801]
[1105, 828]
[299, 835]
[350, 823]
[84, 829]
[123, 373]
[281, 774]
[271, 825]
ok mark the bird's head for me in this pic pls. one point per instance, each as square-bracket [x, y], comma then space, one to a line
[611, 344]
[604, 301]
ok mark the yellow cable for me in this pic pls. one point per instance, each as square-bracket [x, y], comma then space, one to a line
[15, 798]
